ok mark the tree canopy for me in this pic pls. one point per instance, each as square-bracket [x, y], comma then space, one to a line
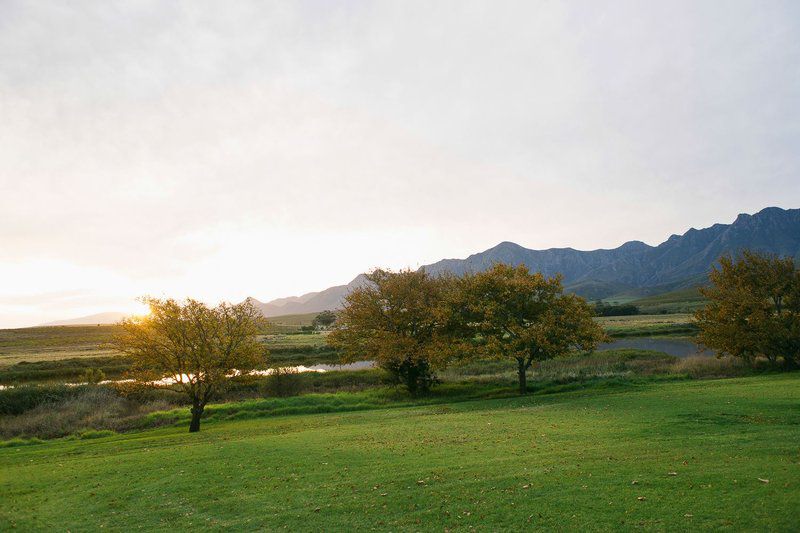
[324, 319]
[399, 321]
[753, 308]
[525, 316]
[194, 345]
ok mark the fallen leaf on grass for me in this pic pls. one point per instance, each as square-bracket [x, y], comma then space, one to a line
[763, 480]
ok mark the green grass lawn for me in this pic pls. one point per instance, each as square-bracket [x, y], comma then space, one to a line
[665, 456]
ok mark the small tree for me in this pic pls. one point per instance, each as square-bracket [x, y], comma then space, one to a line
[325, 319]
[525, 317]
[753, 309]
[398, 320]
[193, 345]
[93, 376]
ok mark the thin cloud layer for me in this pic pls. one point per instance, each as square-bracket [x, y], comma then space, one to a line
[221, 151]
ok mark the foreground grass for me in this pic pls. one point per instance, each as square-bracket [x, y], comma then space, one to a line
[560, 461]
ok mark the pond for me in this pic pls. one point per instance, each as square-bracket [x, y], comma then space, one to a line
[676, 346]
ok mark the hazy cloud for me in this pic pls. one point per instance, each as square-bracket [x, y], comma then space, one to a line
[268, 149]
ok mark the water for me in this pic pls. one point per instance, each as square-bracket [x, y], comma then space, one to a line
[678, 346]
[358, 365]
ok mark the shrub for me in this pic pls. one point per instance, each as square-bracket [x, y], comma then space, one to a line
[17, 400]
[283, 382]
[93, 376]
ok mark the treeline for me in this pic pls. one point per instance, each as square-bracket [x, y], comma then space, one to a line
[603, 309]
[413, 324]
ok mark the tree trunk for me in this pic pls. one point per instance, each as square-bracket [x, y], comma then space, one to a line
[523, 383]
[194, 425]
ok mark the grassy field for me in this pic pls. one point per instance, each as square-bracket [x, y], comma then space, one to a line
[665, 456]
[648, 325]
[295, 321]
[49, 343]
[680, 301]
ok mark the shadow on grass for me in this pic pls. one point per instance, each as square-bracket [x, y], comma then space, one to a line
[386, 397]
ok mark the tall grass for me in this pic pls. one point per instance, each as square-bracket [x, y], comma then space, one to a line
[92, 408]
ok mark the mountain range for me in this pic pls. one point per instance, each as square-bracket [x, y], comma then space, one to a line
[633, 269]
[682, 261]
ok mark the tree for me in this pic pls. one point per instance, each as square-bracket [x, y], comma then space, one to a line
[193, 345]
[397, 320]
[753, 308]
[324, 319]
[525, 317]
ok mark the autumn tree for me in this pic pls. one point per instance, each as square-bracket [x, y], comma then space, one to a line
[753, 308]
[525, 316]
[196, 346]
[398, 320]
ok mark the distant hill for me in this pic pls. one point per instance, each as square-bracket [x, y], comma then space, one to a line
[635, 268]
[99, 318]
[312, 302]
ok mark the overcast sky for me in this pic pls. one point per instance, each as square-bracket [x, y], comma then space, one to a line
[226, 149]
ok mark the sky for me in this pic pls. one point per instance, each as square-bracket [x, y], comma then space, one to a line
[220, 150]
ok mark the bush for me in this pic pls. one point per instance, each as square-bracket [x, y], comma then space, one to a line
[72, 369]
[93, 376]
[283, 382]
[17, 400]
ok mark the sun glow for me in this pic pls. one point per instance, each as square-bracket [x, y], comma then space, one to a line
[140, 309]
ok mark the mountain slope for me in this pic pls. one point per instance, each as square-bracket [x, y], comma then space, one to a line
[110, 317]
[312, 302]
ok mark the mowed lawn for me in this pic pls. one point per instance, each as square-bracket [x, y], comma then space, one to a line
[664, 456]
